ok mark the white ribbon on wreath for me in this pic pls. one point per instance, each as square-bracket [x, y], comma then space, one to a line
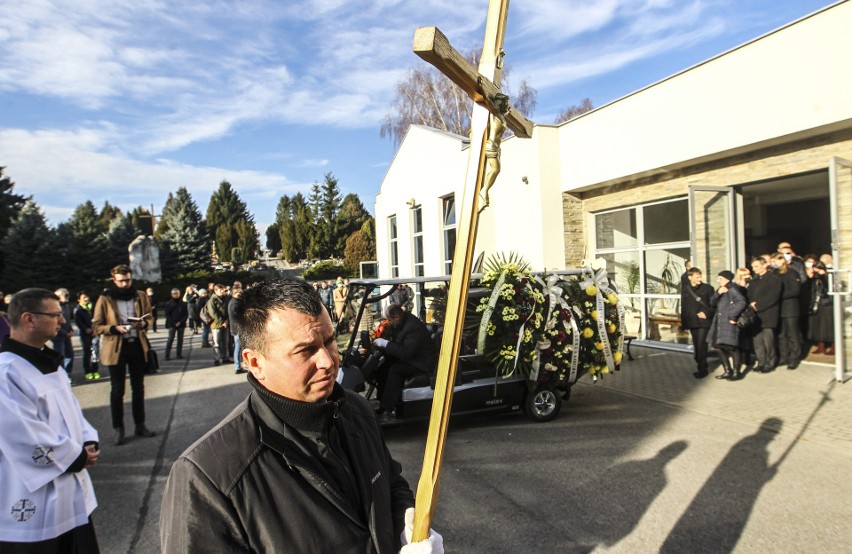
[594, 274]
[555, 293]
[489, 309]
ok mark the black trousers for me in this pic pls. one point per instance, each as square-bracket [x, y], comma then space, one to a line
[172, 332]
[131, 360]
[86, 341]
[80, 540]
[392, 390]
[699, 342]
[789, 341]
[764, 348]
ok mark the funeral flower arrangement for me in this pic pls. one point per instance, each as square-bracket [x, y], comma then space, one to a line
[547, 328]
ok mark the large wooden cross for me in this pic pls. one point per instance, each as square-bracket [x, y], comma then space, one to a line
[491, 114]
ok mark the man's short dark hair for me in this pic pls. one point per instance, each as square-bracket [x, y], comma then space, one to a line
[28, 300]
[120, 269]
[394, 310]
[693, 271]
[252, 313]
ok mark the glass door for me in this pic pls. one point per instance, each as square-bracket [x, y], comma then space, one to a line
[840, 277]
[712, 230]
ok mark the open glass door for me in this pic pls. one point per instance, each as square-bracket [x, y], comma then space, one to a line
[712, 230]
[840, 278]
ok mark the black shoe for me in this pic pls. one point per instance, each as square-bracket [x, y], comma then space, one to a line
[700, 374]
[179, 357]
[239, 371]
[217, 362]
[142, 431]
[206, 346]
[228, 361]
[793, 365]
[119, 436]
[387, 417]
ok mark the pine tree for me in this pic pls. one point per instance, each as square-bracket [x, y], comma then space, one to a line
[108, 214]
[165, 216]
[224, 211]
[273, 238]
[183, 239]
[118, 238]
[327, 222]
[85, 243]
[27, 246]
[10, 206]
[350, 218]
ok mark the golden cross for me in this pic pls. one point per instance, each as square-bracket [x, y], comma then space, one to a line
[490, 112]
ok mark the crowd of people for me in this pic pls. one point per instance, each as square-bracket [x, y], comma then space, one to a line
[354, 495]
[773, 314]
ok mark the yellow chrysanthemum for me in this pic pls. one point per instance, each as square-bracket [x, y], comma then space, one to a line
[599, 345]
[610, 328]
[613, 298]
[591, 290]
[595, 315]
[617, 357]
[588, 333]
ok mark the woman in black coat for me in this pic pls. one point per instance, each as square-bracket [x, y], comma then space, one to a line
[729, 303]
[789, 335]
[764, 295]
[821, 321]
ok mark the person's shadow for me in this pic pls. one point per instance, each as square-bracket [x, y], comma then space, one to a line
[715, 518]
[609, 507]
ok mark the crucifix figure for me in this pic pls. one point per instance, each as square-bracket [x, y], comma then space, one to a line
[492, 113]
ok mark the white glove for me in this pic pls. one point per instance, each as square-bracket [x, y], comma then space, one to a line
[381, 343]
[433, 545]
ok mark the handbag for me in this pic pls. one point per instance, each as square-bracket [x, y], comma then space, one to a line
[747, 318]
[153, 362]
[205, 315]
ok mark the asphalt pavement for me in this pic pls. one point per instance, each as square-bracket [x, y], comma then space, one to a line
[647, 460]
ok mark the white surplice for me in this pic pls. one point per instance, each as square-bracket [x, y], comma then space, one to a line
[42, 432]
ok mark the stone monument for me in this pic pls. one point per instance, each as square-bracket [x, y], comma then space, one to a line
[145, 259]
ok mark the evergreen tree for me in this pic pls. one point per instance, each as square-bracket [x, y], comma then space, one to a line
[327, 221]
[358, 249]
[183, 239]
[10, 206]
[85, 242]
[108, 214]
[273, 239]
[165, 216]
[350, 218]
[27, 246]
[118, 238]
[223, 213]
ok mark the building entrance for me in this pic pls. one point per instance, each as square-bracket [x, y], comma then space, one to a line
[796, 209]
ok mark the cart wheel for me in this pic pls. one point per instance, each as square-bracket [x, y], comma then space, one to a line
[543, 404]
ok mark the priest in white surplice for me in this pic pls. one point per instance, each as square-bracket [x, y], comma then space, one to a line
[46, 445]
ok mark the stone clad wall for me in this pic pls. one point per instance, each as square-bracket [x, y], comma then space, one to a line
[769, 163]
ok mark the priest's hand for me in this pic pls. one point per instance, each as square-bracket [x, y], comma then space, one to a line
[381, 343]
[92, 455]
[433, 545]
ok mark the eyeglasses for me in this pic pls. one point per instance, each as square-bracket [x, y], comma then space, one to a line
[57, 315]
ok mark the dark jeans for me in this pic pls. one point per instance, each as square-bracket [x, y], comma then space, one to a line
[172, 332]
[392, 391]
[699, 342]
[764, 348]
[86, 341]
[64, 347]
[131, 359]
[789, 341]
[205, 334]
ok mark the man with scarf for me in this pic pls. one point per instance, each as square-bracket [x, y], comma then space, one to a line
[121, 317]
[300, 465]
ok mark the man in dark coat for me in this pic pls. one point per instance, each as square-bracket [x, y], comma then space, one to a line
[696, 315]
[176, 315]
[300, 465]
[411, 352]
[764, 293]
[789, 335]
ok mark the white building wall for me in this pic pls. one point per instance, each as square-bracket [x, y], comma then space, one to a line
[787, 82]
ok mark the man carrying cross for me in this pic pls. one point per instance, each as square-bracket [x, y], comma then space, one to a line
[46, 445]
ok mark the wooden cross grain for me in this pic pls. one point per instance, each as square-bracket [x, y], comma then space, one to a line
[490, 111]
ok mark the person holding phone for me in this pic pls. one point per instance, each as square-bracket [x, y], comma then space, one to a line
[120, 319]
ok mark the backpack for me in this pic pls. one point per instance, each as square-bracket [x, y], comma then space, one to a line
[205, 315]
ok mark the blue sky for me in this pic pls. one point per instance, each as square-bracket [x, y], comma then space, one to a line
[128, 100]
